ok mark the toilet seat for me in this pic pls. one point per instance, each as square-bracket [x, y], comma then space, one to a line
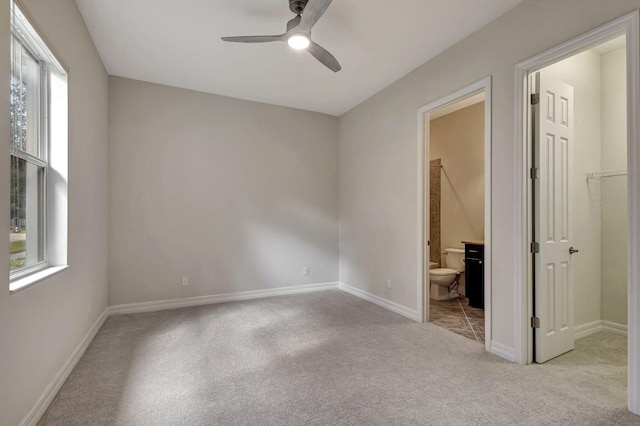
[443, 271]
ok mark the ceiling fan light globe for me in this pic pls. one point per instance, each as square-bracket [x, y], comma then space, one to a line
[298, 41]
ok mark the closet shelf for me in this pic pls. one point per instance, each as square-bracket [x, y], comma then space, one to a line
[606, 173]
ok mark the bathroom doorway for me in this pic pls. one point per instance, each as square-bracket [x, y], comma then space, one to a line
[456, 216]
[577, 130]
[455, 194]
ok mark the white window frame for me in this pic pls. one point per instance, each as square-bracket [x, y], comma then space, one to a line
[53, 152]
[37, 159]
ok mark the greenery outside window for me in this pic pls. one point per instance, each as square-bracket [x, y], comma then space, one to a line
[38, 125]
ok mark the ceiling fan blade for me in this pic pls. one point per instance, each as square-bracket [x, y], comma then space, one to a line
[326, 58]
[312, 13]
[253, 39]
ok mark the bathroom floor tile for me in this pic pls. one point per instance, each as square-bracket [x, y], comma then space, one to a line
[451, 322]
[478, 326]
[473, 313]
[457, 316]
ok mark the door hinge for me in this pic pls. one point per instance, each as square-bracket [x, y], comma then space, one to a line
[533, 173]
[534, 247]
[535, 98]
[535, 322]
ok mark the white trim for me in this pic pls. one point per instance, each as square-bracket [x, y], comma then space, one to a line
[584, 330]
[627, 25]
[34, 278]
[423, 253]
[488, 205]
[55, 58]
[482, 86]
[503, 351]
[387, 304]
[457, 106]
[633, 200]
[38, 410]
[160, 305]
[522, 206]
[614, 327]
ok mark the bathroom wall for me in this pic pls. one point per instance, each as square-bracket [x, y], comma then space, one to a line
[435, 215]
[582, 71]
[613, 189]
[458, 140]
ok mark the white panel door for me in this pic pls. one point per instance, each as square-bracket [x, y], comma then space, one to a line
[553, 126]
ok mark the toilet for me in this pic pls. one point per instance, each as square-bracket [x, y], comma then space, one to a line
[443, 280]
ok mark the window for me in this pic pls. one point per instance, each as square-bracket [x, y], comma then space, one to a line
[28, 158]
[38, 125]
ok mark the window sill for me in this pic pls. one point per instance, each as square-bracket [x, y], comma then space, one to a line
[25, 282]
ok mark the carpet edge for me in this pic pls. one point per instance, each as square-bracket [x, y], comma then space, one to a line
[160, 305]
[50, 392]
[377, 300]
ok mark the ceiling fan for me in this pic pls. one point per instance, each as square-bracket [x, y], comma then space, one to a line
[298, 34]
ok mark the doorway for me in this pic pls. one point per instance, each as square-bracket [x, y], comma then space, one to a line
[429, 254]
[579, 198]
[549, 204]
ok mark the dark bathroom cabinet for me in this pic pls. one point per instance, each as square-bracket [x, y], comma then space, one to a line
[474, 274]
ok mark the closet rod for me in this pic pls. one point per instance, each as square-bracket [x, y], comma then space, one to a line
[607, 173]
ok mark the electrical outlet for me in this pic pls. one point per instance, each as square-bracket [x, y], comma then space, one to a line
[185, 281]
[305, 270]
[388, 282]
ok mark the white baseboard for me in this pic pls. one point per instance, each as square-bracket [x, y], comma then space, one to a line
[38, 410]
[587, 329]
[387, 304]
[160, 305]
[614, 327]
[503, 351]
[584, 330]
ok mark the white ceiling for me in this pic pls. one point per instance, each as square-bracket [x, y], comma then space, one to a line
[177, 43]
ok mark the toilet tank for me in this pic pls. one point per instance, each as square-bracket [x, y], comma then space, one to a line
[455, 259]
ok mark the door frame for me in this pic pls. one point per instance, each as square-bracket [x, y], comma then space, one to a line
[627, 26]
[424, 115]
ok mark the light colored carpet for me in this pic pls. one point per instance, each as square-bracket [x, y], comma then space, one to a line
[326, 358]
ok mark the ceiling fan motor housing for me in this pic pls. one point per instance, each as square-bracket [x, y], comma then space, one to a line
[297, 6]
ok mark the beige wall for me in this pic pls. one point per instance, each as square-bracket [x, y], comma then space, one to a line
[379, 145]
[613, 189]
[236, 195]
[582, 72]
[41, 326]
[458, 139]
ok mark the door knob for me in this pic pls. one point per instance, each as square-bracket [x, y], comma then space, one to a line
[572, 250]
